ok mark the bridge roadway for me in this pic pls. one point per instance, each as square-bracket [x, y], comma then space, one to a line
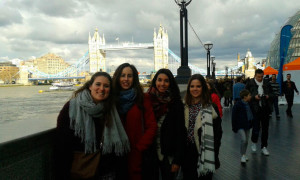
[31, 156]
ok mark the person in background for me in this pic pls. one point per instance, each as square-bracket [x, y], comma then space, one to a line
[84, 121]
[227, 96]
[215, 98]
[237, 88]
[171, 135]
[288, 88]
[276, 92]
[260, 92]
[136, 112]
[204, 132]
[242, 121]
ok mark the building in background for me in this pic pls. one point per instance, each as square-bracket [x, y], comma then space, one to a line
[50, 64]
[161, 46]
[249, 64]
[273, 58]
[9, 72]
[97, 56]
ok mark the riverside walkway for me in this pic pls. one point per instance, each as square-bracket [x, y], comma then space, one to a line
[284, 147]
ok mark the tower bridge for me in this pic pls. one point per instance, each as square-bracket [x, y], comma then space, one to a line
[96, 57]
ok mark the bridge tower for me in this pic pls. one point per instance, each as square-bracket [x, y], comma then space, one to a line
[161, 46]
[97, 56]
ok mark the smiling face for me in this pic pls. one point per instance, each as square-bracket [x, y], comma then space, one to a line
[126, 78]
[196, 89]
[162, 83]
[100, 89]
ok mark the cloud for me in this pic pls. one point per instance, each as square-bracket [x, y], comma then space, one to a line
[36, 27]
[9, 16]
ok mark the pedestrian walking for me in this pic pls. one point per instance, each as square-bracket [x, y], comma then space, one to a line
[260, 92]
[204, 132]
[237, 88]
[276, 92]
[169, 112]
[288, 88]
[227, 96]
[136, 112]
[215, 97]
[242, 121]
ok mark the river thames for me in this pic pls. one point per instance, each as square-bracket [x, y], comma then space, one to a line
[25, 111]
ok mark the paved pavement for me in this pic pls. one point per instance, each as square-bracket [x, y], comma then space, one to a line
[284, 148]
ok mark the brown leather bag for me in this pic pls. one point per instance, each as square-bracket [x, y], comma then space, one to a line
[85, 166]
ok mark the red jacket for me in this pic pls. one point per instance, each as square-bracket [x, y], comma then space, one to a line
[216, 99]
[139, 138]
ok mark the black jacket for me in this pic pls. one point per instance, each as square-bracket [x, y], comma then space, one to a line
[173, 133]
[218, 132]
[239, 118]
[253, 88]
[290, 92]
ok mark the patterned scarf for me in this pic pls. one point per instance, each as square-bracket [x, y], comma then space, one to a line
[160, 101]
[126, 100]
[82, 111]
[206, 160]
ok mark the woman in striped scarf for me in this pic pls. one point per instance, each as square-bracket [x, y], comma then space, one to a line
[201, 160]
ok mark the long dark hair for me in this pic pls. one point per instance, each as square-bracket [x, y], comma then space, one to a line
[213, 89]
[205, 96]
[173, 88]
[108, 103]
[135, 84]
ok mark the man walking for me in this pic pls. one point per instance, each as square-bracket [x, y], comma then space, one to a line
[260, 93]
[237, 88]
[276, 92]
[288, 88]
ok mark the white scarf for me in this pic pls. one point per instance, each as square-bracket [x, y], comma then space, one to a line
[260, 89]
[204, 120]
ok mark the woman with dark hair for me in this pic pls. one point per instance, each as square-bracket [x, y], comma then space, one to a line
[203, 132]
[135, 110]
[215, 97]
[87, 124]
[168, 110]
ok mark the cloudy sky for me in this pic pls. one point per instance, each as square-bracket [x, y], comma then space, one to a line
[32, 28]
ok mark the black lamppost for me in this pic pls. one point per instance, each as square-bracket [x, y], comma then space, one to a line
[183, 72]
[208, 45]
[213, 64]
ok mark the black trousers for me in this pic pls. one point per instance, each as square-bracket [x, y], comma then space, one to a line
[260, 121]
[290, 102]
[189, 167]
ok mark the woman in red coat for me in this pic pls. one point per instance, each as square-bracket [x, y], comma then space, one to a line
[136, 113]
[215, 98]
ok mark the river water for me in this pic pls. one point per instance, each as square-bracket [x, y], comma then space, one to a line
[25, 111]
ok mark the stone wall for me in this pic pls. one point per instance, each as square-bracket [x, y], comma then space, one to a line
[29, 157]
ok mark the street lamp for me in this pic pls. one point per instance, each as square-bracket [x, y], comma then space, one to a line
[208, 46]
[183, 72]
[213, 64]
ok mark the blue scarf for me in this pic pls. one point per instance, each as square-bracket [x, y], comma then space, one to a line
[126, 100]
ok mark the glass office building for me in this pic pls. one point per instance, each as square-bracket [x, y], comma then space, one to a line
[293, 52]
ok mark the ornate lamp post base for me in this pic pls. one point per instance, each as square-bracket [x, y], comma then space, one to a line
[183, 75]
